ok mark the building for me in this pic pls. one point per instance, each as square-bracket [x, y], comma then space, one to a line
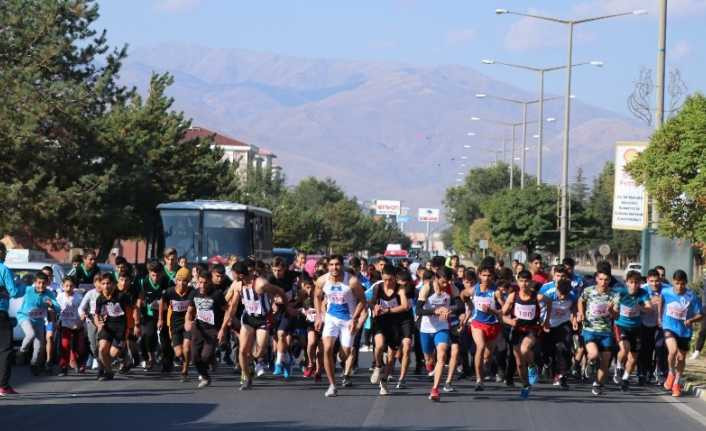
[245, 156]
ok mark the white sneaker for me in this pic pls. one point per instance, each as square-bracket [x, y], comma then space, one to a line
[259, 369]
[375, 377]
[95, 364]
[383, 388]
[331, 391]
[694, 356]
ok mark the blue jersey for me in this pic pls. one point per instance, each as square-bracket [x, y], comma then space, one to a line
[34, 305]
[561, 308]
[480, 299]
[629, 307]
[677, 309]
[546, 287]
[7, 287]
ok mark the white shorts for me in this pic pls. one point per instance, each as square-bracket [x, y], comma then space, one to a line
[338, 328]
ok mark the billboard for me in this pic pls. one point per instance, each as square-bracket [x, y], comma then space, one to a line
[629, 198]
[383, 207]
[428, 215]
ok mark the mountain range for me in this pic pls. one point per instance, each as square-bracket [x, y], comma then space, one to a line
[382, 130]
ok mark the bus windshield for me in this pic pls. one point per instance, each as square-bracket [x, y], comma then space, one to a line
[225, 234]
[181, 229]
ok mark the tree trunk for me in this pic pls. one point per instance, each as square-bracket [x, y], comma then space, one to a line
[104, 250]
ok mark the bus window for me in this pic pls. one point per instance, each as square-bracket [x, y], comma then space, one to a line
[224, 233]
[180, 231]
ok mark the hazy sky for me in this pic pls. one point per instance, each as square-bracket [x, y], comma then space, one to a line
[434, 33]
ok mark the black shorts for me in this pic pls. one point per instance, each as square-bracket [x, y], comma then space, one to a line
[284, 322]
[631, 335]
[407, 329]
[390, 329]
[255, 322]
[114, 335]
[683, 343]
[179, 334]
[519, 333]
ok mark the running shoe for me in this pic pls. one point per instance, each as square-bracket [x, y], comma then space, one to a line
[259, 369]
[430, 370]
[63, 372]
[317, 377]
[676, 390]
[347, 382]
[596, 389]
[95, 364]
[591, 370]
[532, 375]
[401, 385]
[278, 369]
[287, 370]
[375, 377]
[383, 388]
[448, 388]
[308, 372]
[479, 387]
[499, 378]
[203, 383]
[525, 391]
[669, 382]
[331, 391]
[184, 378]
[434, 395]
[106, 376]
[563, 383]
[617, 376]
[245, 384]
[625, 385]
[7, 391]
[694, 356]
[557, 380]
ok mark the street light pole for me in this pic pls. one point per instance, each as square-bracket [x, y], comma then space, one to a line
[563, 226]
[524, 143]
[541, 127]
[512, 159]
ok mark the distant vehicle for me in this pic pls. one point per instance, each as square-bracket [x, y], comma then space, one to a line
[24, 271]
[203, 230]
[288, 254]
[395, 250]
[633, 266]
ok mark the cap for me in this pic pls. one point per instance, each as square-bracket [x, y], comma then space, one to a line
[183, 274]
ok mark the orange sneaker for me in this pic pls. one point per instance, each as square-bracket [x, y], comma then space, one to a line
[676, 390]
[669, 382]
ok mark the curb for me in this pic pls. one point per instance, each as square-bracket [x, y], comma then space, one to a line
[695, 390]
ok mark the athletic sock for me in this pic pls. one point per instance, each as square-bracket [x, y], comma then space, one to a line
[278, 358]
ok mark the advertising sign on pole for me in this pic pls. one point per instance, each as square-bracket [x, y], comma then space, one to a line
[428, 215]
[385, 207]
[629, 198]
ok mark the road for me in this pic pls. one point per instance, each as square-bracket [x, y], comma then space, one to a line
[148, 401]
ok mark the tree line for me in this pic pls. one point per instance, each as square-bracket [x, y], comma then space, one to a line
[85, 160]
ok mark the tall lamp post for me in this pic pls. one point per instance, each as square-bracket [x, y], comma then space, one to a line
[571, 23]
[541, 71]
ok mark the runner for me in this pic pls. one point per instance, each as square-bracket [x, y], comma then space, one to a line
[131, 354]
[595, 312]
[521, 312]
[87, 311]
[653, 351]
[407, 327]
[38, 302]
[170, 265]
[8, 290]
[390, 308]
[562, 325]
[679, 309]
[433, 308]
[52, 320]
[538, 275]
[285, 315]
[314, 347]
[485, 325]
[257, 297]
[72, 348]
[457, 308]
[85, 272]
[177, 299]
[345, 301]
[630, 303]
[577, 281]
[203, 318]
[152, 288]
[111, 321]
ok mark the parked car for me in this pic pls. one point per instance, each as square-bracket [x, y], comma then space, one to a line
[633, 266]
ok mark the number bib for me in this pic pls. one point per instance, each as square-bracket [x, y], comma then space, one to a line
[180, 306]
[525, 311]
[336, 298]
[206, 316]
[389, 304]
[626, 311]
[561, 310]
[69, 313]
[599, 310]
[677, 311]
[113, 309]
[311, 315]
[480, 301]
[253, 308]
[37, 313]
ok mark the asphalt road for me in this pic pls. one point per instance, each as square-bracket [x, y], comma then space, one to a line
[143, 401]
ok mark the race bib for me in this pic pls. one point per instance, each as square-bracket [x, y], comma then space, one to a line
[37, 313]
[254, 308]
[525, 311]
[113, 309]
[180, 306]
[336, 298]
[311, 315]
[561, 310]
[389, 304]
[599, 310]
[676, 311]
[626, 311]
[480, 301]
[206, 316]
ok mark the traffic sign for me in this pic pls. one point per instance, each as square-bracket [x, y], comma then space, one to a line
[483, 244]
[519, 255]
[604, 250]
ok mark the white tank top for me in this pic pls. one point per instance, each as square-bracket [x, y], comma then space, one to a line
[433, 324]
[339, 297]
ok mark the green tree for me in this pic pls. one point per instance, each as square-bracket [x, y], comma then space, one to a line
[523, 217]
[672, 168]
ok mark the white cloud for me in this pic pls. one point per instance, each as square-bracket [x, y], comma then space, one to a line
[680, 50]
[460, 36]
[676, 8]
[177, 6]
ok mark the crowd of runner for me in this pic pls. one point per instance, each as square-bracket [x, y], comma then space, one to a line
[504, 324]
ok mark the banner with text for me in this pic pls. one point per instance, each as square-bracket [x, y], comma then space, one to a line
[629, 198]
[428, 215]
[383, 207]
